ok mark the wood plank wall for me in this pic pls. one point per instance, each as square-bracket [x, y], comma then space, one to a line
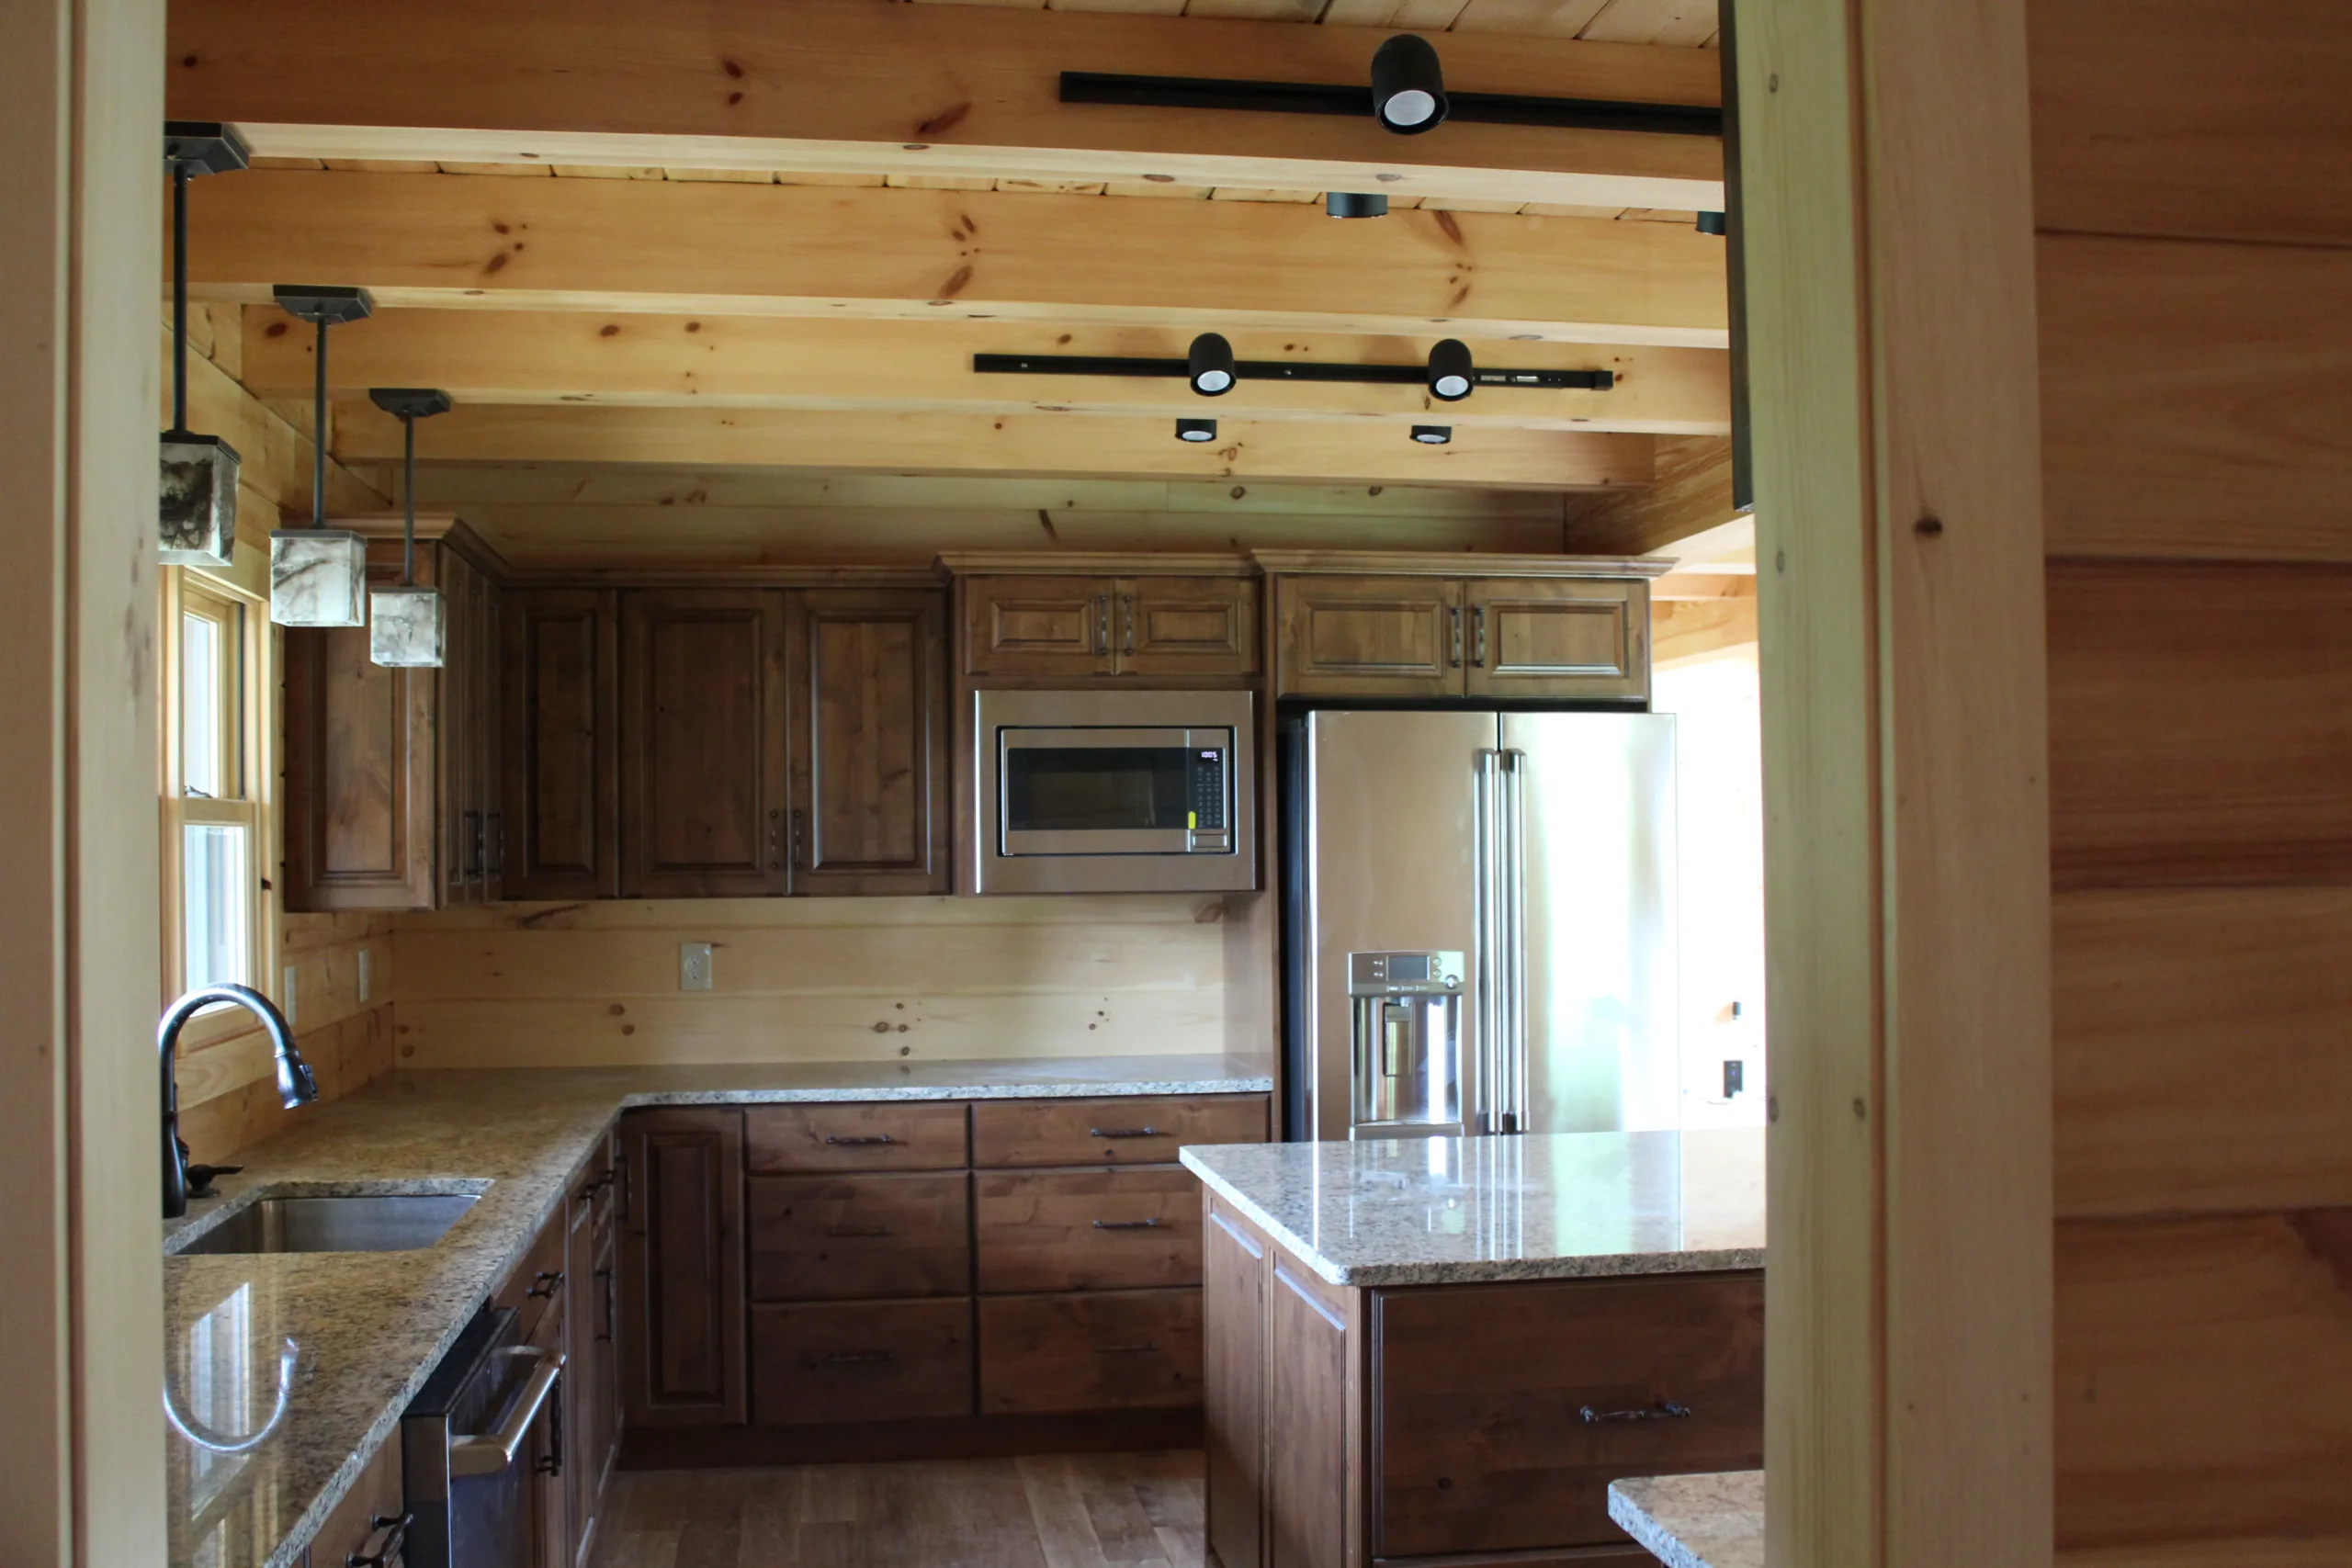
[811, 979]
[228, 1093]
[2194, 200]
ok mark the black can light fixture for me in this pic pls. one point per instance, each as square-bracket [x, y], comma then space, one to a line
[1208, 365]
[1433, 435]
[1407, 85]
[1451, 374]
[1354, 204]
[196, 501]
[1196, 429]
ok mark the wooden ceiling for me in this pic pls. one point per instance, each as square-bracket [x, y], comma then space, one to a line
[768, 240]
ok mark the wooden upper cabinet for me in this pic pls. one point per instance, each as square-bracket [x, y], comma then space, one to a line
[1081, 625]
[870, 775]
[1558, 637]
[558, 828]
[388, 772]
[1038, 626]
[1345, 637]
[704, 749]
[682, 1268]
[1186, 625]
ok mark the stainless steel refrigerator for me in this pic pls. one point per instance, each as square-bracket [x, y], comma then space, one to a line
[1479, 923]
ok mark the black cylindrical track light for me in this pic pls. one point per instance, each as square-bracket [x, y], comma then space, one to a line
[1354, 204]
[1196, 429]
[1712, 223]
[1209, 364]
[1450, 370]
[1433, 435]
[1407, 85]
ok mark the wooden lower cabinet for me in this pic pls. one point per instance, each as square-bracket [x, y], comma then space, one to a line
[1470, 1423]
[860, 1237]
[1112, 1350]
[1087, 1230]
[829, 1362]
[682, 1266]
[364, 1522]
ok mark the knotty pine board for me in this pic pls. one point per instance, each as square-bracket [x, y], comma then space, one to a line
[324, 951]
[878, 979]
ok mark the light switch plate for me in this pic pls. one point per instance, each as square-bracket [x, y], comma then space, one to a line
[363, 974]
[693, 966]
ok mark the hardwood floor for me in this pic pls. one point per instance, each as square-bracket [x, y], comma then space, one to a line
[1043, 1511]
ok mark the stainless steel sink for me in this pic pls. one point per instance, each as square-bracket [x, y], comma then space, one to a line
[372, 1221]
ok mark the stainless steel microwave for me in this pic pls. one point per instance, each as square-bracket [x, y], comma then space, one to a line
[1113, 792]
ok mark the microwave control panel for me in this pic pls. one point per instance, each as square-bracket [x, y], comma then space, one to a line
[1208, 790]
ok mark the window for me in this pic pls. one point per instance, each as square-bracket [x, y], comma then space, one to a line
[213, 822]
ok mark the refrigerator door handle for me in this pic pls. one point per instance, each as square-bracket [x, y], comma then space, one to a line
[1512, 1047]
[1492, 958]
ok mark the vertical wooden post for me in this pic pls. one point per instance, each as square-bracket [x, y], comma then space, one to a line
[81, 1445]
[1891, 311]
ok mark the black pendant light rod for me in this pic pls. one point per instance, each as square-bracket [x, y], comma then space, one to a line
[410, 404]
[180, 174]
[319, 434]
[1283, 371]
[1309, 98]
[326, 307]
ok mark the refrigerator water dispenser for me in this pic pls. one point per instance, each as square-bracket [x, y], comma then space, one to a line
[1408, 1031]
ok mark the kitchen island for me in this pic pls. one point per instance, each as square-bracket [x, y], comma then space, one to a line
[287, 1373]
[1450, 1347]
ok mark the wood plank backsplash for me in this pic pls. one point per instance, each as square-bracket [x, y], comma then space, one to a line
[811, 979]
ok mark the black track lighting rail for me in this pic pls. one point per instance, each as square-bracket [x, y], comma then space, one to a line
[1308, 98]
[1283, 371]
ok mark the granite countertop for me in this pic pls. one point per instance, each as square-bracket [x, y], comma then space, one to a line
[1541, 1206]
[1695, 1522]
[285, 1373]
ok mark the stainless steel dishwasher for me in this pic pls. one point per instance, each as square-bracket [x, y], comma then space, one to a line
[465, 1443]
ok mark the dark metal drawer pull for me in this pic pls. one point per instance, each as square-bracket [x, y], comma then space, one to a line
[1149, 1348]
[854, 1231]
[1669, 1411]
[390, 1550]
[859, 1358]
[883, 1138]
[1125, 1132]
[550, 1281]
[1152, 1224]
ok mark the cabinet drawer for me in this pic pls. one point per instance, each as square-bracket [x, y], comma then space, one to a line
[1088, 1230]
[368, 1514]
[1479, 1394]
[855, 1137]
[841, 1237]
[537, 1282]
[1117, 1350]
[861, 1362]
[1136, 1131]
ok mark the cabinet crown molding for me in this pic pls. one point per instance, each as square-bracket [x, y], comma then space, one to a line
[1093, 563]
[1423, 563]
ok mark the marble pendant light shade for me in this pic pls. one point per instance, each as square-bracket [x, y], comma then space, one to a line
[407, 624]
[318, 577]
[196, 499]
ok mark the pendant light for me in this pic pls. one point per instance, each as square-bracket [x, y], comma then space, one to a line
[318, 576]
[407, 626]
[196, 515]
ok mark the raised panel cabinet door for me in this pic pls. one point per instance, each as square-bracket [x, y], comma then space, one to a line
[485, 740]
[360, 767]
[705, 749]
[1558, 637]
[561, 757]
[1306, 1430]
[1186, 625]
[1233, 1387]
[1368, 636]
[682, 1268]
[1038, 626]
[870, 773]
[459, 876]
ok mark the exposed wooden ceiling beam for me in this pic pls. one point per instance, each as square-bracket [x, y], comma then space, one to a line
[853, 86]
[1689, 506]
[780, 362]
[1012, 443]
[653, 245]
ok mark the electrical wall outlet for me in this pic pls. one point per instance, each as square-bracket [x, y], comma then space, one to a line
[693, 966]
[364, 986]
[286, 995]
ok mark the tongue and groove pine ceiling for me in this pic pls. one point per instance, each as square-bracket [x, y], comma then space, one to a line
[699, 238]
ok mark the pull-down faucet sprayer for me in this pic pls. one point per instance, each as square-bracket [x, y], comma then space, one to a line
[297, 1085]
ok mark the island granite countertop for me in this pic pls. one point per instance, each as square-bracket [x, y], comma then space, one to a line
[1540, 1206]
[285, 1373]
[1695, 1522]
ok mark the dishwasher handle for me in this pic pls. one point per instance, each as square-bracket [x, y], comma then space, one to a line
[488, 1453]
